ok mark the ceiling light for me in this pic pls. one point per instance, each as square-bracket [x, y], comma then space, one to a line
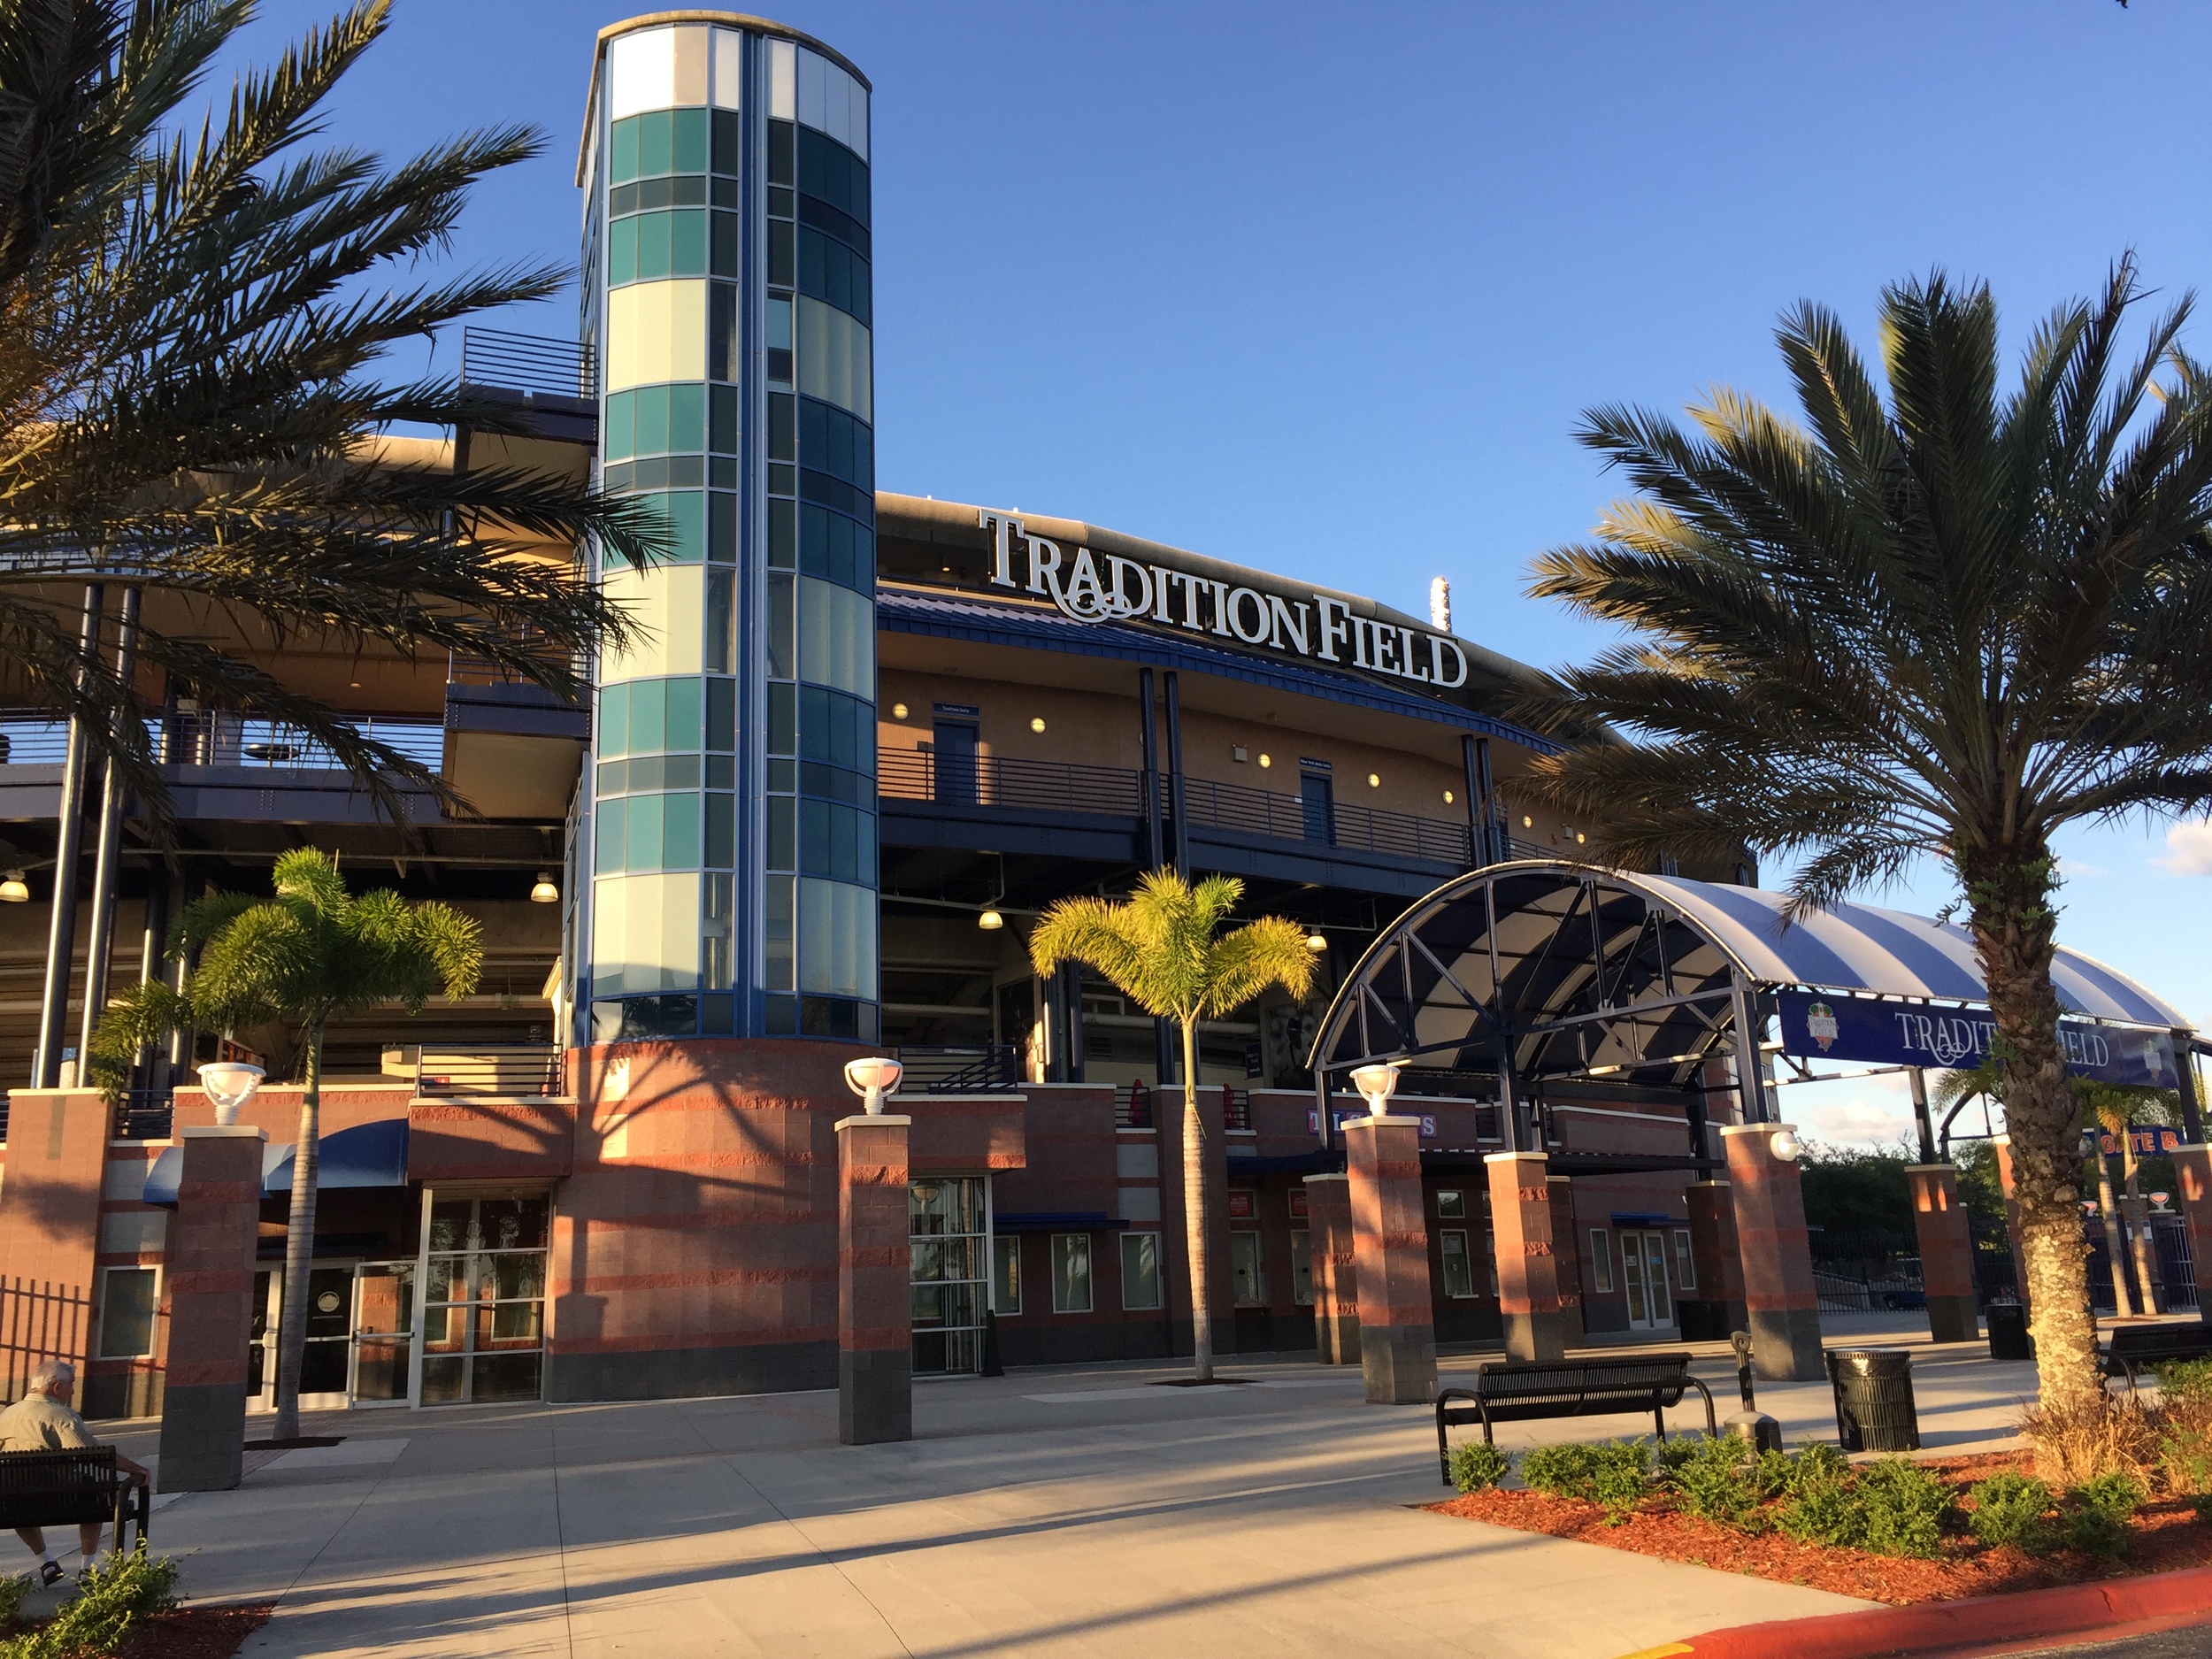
[1037, 724]
[1374, 781]
[13, 890]
[1313, 941]
[1527, 822]
[1267, 760]
[1447, 797]
[543, 891]
[1581, 837]
[990, 921]
[898, 712]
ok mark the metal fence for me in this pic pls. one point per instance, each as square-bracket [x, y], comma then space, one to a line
[976, 1069]
[527, 363]
[39, 1320]
[32, 738]
[526, 1071]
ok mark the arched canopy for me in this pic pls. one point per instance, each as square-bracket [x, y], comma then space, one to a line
[1578, 972]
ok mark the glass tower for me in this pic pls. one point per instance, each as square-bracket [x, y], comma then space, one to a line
[727, 833]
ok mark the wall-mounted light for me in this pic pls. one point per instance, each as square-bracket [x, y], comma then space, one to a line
[990, 921]
[898, 712]
[1037, 723]
[1527, 822]
[1315, 942]
[1447, 797]
[1267, 760]
[1581, 837]
[14, 890]
[1374, 781]
[543, 891]
[1784, 1145]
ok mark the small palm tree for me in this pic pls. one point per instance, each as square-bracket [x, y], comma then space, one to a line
[312, 954]
[1163, 951]
[2110, 1108]
[1944, 622]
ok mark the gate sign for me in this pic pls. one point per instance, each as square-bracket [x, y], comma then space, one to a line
[2146, 1141]
[1821, 1025]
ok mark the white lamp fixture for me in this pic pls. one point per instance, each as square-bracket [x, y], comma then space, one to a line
[2160, 1199]
[14, 890]
[990, 921]
[1784, 1145]
[230, 1084]
[543, 891]
[1037, 724]
[1375, 1084]
[1315, 942]
[872, 1079]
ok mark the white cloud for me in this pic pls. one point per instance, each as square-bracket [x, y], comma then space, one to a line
[2188, 850]
[1855, 1123]
[2077, 869]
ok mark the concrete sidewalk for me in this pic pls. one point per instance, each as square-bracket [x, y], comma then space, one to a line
[1060, 1512]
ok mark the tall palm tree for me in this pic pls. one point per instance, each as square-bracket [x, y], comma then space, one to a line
[1162, 949]
[1938, 618]
[193, 316]
[312, 954]
[2111, 1109]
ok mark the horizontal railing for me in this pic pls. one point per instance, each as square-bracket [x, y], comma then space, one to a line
[525, 1070]
[527, 363]
[30, 738]
[979, 1068]
[912, 774]
[1134, 1103]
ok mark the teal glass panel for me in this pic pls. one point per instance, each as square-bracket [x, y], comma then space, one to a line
[620, 439]
[722, 429]
[689, 253]
[622, 163]
[729, 245]
[729, 143]
[656, 135]
[655, 239]
[688, 418]
[689, 141]
[679, 831]
[721, 848]
[722, 714]
[686, 513]
[651, 436]
[622, 252]
[644, 849]
[613, 818]
[722, 527]
[683, 714]
[648, 717]
[614, 720]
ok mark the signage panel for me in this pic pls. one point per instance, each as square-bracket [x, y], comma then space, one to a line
[1822, 1026]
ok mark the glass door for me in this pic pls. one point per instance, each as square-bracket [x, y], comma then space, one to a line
[948, 1235]
[483, 1298]
[383, 1333]
[324, 1370]
[1644, 1274]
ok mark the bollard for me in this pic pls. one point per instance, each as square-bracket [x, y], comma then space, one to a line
[1750, 1424]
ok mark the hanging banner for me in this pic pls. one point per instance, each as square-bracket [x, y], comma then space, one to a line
[2146, 1141]
[1821, 1026]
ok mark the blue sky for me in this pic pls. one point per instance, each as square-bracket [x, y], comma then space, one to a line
[1323, 289]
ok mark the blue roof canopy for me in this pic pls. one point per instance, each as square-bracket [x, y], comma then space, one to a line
[367, 1155]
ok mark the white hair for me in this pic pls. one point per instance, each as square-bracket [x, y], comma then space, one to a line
[52, 1376]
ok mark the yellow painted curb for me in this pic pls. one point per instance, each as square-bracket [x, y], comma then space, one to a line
[1672, 1650]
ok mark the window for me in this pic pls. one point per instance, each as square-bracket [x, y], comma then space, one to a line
[1244, 1270]
[1300, 1264]
[1684, 1274]
[1490, 1251]
[1006, 1275]
[1601, 1260]
[1140, 1270]
[1459, 1273]
[1451, 1205]
[1071, 1272]
[126, 1313]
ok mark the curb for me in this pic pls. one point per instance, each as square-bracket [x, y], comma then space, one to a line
[1976, 1621]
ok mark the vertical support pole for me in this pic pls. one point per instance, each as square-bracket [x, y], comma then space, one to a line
[1529, 1298]
[1390, 1260]
[1178, 803]
[1777, 1255]
[1750, 1064]
[209, 1255]
[1164, 1038]
[1917, 1081]
[1477, 804]
[1335, 1274]
[2185, 1085]
[1492, 818]
[100, 936]
[1718, 1260]
[2192, 1174]
[1509, 1084]
[61, 934]
[1947, 1244]
[875, 1318]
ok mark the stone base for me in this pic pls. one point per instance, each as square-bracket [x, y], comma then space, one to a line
[1953, 1319]
[689, 1372]
[1337, 1337]
[875, 1396]
[202, 1437]
[1785, 1345]
[1533, 1338]
[1399, 1365]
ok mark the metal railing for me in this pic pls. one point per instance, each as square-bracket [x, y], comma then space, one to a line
[1134, 1103]
[527, 363]
[914, 774]
[145, 1114]
[30, 738]
[981, 1069]
[529, 1070]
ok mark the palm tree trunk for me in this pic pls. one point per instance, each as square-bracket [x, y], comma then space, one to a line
[2012, 919]
[299, 1246]
[1197, 1225]
[2147, 1286]
[2115, 1238]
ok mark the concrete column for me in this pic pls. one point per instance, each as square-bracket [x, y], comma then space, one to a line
[1777, 1255]
[875, 1314]
[210, 1257]
[1335, 1280]
[1390, 1259]
[2192, 1173]
[1946, 1252]
[1528, 1257]
[1718, 1261]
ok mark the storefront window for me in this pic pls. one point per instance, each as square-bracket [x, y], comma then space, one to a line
[1140, 1270]
[1071, 1272]
[484, 1299]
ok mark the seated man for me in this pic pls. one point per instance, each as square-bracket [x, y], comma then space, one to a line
[44, 1421]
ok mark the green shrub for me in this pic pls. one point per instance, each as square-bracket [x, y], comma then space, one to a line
[2202, 1504]
[1620, 1474]
[2096, 1532]
[1479, 1465]
[1777, 1474]
[1562, 1471]
[2013, 1509]
[1715, 1479]
[1821, 1507]
[1904, 1506]
[2184, 1379]
[2118, 1494]
[2098, 1523]
[116, 1597]
[13, 1590]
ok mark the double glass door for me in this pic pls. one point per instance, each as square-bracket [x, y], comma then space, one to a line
[1644, 1276]
[948, 1236]
[360, 1335]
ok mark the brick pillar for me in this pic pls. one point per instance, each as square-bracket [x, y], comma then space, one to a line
[1719, 1264]
[49, 1223]
[2192, 1173]
[1390, 1260]
[1777, 1255]
[1335, 1281]
[875, 1316]
[1946, 1252]
[210, 1261]
[1528, 1262]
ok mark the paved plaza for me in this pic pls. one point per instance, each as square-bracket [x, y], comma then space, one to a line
[1049, 1512]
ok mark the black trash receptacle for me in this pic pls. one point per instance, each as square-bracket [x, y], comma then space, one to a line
[2008, 1331]
[1874, 1410]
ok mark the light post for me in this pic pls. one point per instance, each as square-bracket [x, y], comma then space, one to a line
[230, 1084]
[872, 1078]
[1375, 1084]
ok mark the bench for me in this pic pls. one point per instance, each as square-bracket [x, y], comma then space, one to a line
[1509, 1392]
[2132, 1346]
[73, 1488]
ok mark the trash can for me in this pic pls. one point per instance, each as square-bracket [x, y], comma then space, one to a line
[2008, 1331]
[1874, 1410]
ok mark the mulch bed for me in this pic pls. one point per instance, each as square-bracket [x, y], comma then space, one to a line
[2166, 1536]
[197, 1633]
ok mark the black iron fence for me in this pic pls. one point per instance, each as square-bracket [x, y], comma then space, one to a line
[978, 1069]
[527, 363]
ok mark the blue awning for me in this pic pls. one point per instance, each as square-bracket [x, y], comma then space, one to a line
[367, 1155]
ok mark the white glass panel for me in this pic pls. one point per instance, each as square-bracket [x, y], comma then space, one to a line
[610, 925]
[837, 111]
[837, 938]
[646, 934]
[657, 332]
[837, 637]
[783, 101]
[833, 357]
[641, 72]
[858, 123]
[691, 65]
[811, 90]
[668, 603]
[729, 69]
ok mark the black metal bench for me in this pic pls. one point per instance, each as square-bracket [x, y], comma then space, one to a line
[2132, 1346]
[73, 1488]
[1506, 1392]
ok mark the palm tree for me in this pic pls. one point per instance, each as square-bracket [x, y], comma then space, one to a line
[1948, 622]
[192, 319]
[312, 954]
[1162, 949]
[2110, 1108]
